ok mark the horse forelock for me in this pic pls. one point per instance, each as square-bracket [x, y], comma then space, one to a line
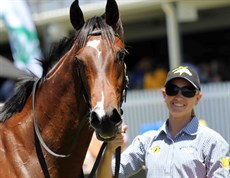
[95, 26]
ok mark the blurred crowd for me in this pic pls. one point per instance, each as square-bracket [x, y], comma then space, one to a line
[214, 71]
[148, 73]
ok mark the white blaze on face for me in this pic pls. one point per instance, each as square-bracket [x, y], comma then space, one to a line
[99, 108]
[94, 44]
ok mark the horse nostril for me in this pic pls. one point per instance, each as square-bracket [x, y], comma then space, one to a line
[116, 117]
[95, 120]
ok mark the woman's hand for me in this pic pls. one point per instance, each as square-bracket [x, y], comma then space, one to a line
[118, 141]
[105, 169]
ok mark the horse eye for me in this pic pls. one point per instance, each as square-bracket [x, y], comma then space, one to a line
[121, 56]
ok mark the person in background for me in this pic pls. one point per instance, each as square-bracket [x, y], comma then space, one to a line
[155, 78]
[181, 147]
[136, 78]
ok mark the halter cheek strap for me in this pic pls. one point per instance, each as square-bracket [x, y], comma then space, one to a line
[84, 89]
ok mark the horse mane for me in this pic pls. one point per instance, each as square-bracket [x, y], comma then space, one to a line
[24, 86]
[17, 101]
[56, 52]
[93, 26]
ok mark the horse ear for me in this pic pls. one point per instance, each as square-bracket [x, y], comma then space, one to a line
[76, 15]
[112, 13]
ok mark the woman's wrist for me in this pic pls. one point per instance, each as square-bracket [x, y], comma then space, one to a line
[109, 152]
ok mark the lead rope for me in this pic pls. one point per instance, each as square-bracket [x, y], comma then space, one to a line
[118, 160]
[98, 159]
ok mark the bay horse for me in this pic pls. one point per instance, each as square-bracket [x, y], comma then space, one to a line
[47, 125]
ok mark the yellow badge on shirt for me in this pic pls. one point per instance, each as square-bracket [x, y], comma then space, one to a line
[156, 149]
[225, 162]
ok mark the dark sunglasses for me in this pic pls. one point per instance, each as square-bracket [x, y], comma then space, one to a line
[187, 91]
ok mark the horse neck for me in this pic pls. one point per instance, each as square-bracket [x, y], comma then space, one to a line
[61, 109]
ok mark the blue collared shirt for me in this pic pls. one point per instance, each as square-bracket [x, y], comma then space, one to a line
[195, 152]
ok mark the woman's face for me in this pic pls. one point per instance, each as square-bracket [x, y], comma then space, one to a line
[179, 105]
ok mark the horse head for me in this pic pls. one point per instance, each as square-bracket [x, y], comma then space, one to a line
[101, 67]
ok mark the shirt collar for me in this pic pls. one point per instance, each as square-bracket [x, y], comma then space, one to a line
[191, 128]
[162, 129]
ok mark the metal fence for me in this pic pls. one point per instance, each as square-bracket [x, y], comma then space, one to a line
[145, 108]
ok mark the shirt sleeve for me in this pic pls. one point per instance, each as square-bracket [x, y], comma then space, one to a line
[132, 159]
[217, 159]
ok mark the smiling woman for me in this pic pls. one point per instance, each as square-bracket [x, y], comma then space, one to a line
[180, 97]
[181, 147]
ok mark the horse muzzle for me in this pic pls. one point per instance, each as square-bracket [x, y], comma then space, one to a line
[107, 126]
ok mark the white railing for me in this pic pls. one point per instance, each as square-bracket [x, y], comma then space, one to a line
[147, 107]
